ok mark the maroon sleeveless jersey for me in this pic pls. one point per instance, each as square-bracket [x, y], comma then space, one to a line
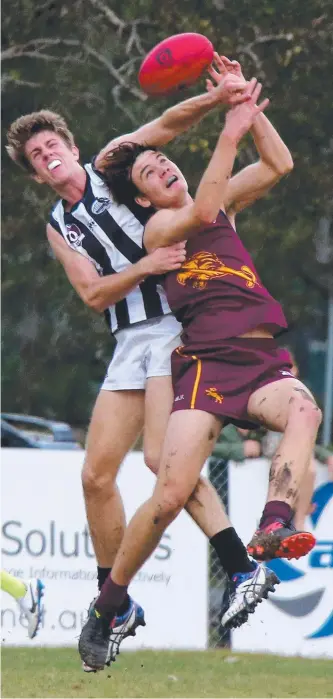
[217, 294]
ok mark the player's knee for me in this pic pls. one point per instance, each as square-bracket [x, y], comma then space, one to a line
[97, 482]
[152, 459]
[171, 501]
[304, 409]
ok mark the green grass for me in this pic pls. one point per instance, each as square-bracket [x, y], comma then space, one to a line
[52, 672]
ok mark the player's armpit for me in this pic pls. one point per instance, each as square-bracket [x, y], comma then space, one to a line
[248, 185]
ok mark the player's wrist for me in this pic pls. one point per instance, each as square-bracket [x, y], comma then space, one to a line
[143, 267]
[230, 136]
[214, 98]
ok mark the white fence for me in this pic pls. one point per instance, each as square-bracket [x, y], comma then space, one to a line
[45, 534]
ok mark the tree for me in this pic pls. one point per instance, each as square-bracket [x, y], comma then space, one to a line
[81, 58]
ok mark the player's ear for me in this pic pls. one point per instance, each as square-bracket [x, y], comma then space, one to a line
[76, 152]
[143, 201]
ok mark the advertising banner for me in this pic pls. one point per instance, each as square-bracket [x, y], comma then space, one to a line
[45, 535]
[298, 618]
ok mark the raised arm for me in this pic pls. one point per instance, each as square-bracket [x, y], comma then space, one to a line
[175, 120]
[167, 226]
[101, 292]
[253, 181]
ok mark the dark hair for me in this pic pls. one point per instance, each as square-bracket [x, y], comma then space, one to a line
[116, 167]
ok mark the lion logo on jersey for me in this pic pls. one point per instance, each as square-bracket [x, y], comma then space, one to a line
[203, 266]
[213, 393]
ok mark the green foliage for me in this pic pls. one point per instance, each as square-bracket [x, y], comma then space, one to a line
[81, 57]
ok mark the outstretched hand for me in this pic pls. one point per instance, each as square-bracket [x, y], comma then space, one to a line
[219, 68]
[240, 118]
[229, 86]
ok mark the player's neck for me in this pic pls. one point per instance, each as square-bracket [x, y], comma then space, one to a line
[73, 190]
[185, 200]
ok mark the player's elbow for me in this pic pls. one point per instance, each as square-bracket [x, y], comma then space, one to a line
[285, 166]
[205, 214]
[97, 306]
[289, 166]
[94, 304]
[93, 300]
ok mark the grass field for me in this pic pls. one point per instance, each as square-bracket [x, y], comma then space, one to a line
[51, 672]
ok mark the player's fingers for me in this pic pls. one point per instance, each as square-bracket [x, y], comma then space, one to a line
[237, 87]
[213, 73]
[235, 82]
[238, 98]
[178, 246]
[220, 64]
[178, 255]
[226, 60]
[262, 106]
[256, 92]
[209, 85]
[176, 259]
[251, 86]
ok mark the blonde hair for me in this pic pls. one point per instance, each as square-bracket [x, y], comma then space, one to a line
[27, 126]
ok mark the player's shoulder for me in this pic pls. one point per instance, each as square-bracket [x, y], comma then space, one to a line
[159, 218]
[156, 225]
[92, 171]
[163, 215]
[98, 183]
[56, 207]
[56, 215]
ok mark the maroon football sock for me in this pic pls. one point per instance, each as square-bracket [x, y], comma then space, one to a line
[110, 599]
[102, 574]
[275, 509]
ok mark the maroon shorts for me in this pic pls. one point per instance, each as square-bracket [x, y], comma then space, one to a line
[221, 381]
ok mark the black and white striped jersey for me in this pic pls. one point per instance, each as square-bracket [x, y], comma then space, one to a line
[111, 237]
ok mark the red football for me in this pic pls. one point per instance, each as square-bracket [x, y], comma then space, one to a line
[174, 63]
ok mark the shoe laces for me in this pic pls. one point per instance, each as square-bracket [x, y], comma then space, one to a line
[251, 580]
[239, 578]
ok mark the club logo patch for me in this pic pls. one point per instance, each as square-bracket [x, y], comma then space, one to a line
[100, 205]
[214, 393]
[74, 235]
[203, 266]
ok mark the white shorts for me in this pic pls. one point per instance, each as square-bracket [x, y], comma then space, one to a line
[142, 351]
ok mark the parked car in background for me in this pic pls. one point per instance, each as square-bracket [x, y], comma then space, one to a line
[36, 433]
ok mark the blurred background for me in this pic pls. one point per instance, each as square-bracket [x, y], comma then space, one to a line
[81, 57]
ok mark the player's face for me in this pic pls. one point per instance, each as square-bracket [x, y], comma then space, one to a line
[159, 180]
[53, 161]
